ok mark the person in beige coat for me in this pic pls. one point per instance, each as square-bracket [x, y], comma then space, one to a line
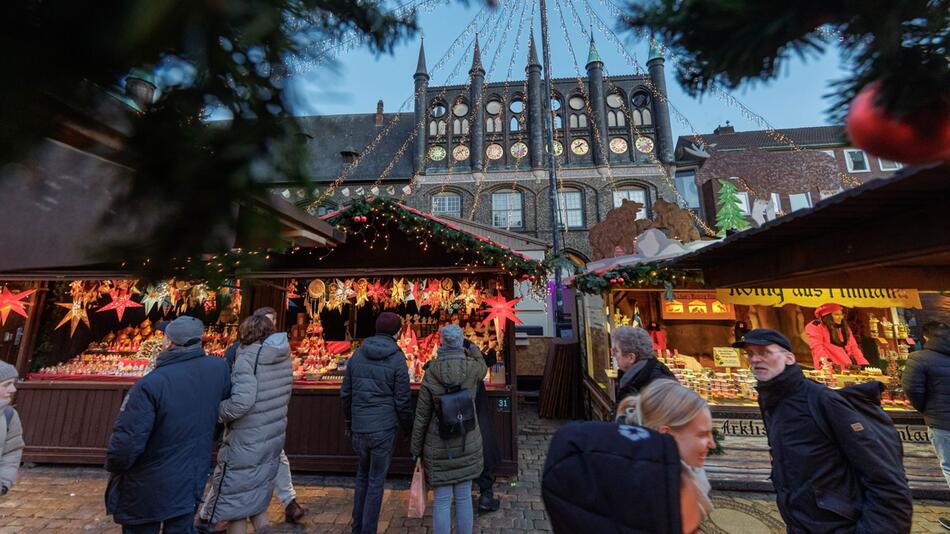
[11, 432]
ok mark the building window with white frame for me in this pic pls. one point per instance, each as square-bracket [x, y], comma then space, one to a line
[447, 204]
[636, 194]
[570, 209]
[857, 160]
[888, 165]
[743, 202]
[775, 200]
[506, 209]
[799, 201]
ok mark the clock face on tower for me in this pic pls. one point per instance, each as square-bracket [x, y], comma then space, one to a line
[644, 144]
[494, 151]
[618, 145]
[580, 147]
[436, 153]
[519, 150]
[460, 152]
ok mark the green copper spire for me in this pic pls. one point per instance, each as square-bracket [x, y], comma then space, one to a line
[655, 52]
[593, 55]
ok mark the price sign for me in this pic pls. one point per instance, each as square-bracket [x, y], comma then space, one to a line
[726, 357]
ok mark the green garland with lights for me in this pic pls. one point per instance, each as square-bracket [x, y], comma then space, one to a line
[427, 231]
[633, 276]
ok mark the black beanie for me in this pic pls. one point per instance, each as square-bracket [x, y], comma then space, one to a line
[388, 323]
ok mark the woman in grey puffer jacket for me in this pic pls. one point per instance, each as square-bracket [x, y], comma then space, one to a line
[256, 422]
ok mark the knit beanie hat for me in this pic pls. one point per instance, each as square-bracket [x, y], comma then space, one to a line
[451, 337]
[7, 372]
[388, 323]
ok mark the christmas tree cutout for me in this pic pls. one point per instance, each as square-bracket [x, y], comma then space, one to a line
[729, 215]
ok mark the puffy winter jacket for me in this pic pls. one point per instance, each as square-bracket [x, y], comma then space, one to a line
[161, 441]
[605, 477]
[838, 483]
[454, 460]
[11, 446]
[640, 375]
[927, 381]
[819, 341]
[375, 392]
[255, 418]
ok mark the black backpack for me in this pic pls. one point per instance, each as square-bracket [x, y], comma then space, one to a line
[455, 411]
[866, 400]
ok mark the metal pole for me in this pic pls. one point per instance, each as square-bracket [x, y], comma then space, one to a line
[552, 166]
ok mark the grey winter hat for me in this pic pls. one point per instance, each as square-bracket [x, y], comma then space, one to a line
[7, 372]
[185, 330]
[451, 336]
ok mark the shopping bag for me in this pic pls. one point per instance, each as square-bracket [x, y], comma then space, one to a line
[417, 491]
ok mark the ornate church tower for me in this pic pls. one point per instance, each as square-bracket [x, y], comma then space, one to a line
[421, 78]
[661, 109]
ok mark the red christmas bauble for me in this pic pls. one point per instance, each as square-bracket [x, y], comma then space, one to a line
[918, 138]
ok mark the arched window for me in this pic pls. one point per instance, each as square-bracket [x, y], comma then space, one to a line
[647, 118]
[616, 118]
[493, 124]
[436, 128]
[558, 123]
[570, 203]
[641, 113]
[514, 125]
[578, 120]
[447, 204]
[507, 209]
[460, 126]
[634, 193]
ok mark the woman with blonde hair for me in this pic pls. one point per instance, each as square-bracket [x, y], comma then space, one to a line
[670, 408]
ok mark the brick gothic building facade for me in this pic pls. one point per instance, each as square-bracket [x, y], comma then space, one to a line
[477, 151]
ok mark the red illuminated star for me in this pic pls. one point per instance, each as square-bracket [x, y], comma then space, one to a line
[119, 304]
[13, 302]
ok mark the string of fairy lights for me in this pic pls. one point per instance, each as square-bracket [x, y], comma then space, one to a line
[480, 181]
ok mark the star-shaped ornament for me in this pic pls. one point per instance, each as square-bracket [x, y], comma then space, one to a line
[499, 311]
[77, 313]
[13, 302]
[119, 304]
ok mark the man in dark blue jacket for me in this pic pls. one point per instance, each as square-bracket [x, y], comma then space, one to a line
[160, 450]
[830, 477]
[376, 399]
[927, 385]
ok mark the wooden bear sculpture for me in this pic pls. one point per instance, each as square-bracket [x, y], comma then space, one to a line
[675, 220]
[619, 230]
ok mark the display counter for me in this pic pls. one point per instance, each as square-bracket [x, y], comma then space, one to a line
[71, 421]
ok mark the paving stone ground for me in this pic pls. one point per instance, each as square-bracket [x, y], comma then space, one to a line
[58, 499]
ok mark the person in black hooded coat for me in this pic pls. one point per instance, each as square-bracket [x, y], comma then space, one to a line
[589, 485]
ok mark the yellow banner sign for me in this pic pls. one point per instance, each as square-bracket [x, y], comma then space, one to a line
[814, 297]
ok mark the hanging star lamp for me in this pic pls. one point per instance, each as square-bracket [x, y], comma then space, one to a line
[77, 313]
[499, 311]
[13, 302]
[155, 295]
[119, 304]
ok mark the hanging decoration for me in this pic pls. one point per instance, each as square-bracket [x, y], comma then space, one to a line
[155, 295]
[292, 293]
[469, 295]
[13, 302]
[447, 293]
[412, 289]
[378, 292]
[121, 300]
[643, 275]
[361, 290]
[499, 311]
[316, 297]
[432, 293]
[337, 294]
[397, 292]
[76, 313]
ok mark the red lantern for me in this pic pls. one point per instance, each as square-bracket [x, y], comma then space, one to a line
[922, 137]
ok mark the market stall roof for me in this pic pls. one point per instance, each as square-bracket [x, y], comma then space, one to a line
[887, 233]
[652, 246]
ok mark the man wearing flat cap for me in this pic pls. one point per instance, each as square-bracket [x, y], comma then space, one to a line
[828, 468]
[160, 450]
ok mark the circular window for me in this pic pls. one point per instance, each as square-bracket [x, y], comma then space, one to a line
[438, 110]
[640, 100]
[555, 104]
[576, 102]
[460, 109]
[519, 150]
[494, 151]
[460, 153]
[516, 106]
[614, 100]
[580, 147]
[493, 107]
[436, 153]
[618, 145]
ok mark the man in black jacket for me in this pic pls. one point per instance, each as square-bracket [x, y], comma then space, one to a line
[927, 386]
[632, 348]
[837, 482]
[160, 449]
[376, 399]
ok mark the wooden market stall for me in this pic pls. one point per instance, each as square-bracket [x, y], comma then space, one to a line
[394, 258]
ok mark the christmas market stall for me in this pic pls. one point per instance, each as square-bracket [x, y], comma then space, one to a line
[97, 336]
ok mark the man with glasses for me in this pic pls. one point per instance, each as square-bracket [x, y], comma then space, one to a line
[828, 477]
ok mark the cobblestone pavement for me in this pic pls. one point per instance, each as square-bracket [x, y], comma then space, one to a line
[69, 499]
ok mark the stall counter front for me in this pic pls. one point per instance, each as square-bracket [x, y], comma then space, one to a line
[71, 421]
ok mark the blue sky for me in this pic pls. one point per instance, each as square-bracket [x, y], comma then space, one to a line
[359, 78]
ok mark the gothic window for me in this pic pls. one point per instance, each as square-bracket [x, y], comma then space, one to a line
[616, 118]
[460, 126]
[447, 204]
[647, 118]
[493, 124]
[438, 110]
[555, 104]
[570, 209]
[493, 107]
[641, 113]
[517, 105]
[578, 120]
[514, 125]
[558, 123]
[506, 209]
[576, 102]
[634, 193]
[436, 128]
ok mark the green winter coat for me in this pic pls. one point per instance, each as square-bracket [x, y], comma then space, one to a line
[447, 462]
